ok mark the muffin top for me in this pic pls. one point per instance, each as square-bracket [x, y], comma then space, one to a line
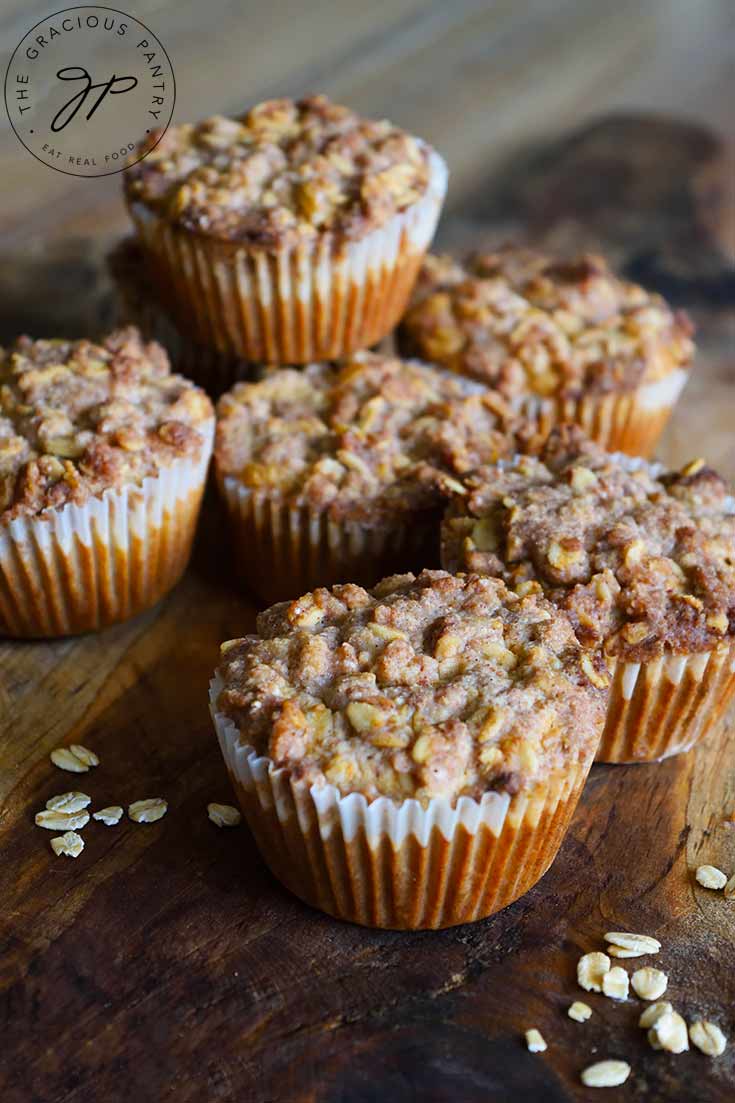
[364, 439]
[643, 560]
[528, 324]
[436, 686]
[284, 171]
[77, 418]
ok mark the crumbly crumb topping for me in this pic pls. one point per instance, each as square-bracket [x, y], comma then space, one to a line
[374, 436]
[529, 324]
[286, 169]
[644, 564]
[436, 686]
[78, 417]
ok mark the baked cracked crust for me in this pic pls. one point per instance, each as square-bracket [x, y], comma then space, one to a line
[375, 436]
[528, 324]
[643, 562]
[284, 171]
[79, 417]
[436, 686]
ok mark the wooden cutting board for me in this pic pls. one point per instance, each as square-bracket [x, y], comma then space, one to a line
[165, 962]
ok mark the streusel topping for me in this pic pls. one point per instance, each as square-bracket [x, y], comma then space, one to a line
[643, 563]
[78, 417]
[287, 169]
[436, 686]
[365, 438]
[526, 323]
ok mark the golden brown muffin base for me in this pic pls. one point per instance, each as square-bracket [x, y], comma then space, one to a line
[283, 551]
[414, 887]
[101, 569]
[662, 718]
[618, 422]
[311, 301]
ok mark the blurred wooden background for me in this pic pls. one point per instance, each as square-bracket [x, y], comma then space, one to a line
[480, 79]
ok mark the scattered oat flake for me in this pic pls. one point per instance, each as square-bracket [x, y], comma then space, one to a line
[606, 1074]
[71, 845]
[579, 1011]
[148, 811]
[591, 968]
[110, 815]
[708, 1038]
[634, 945]
[535, 1041]
[615, 983]
[710, 877]
[669, 1032]
[654, 1012]
[66, 760]
[62, 821]
[68, 802]
[224, 815]
[649, 983]
[89, 758]
[729, 889]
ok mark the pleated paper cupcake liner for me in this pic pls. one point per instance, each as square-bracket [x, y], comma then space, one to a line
[284, 551]
[622, 421]
[79, 568]
[664, 707]
[136, 303]
[398, 865]
[317, 300]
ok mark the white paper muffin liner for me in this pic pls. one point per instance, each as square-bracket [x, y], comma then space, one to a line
[317, 300]
[664, 706]
[283, 551]
[398, 864]
[624, 421]
[78, 568]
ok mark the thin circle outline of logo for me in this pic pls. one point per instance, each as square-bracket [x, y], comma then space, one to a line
[135, 138]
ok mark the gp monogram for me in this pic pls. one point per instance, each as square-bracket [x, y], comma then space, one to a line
[84, 86]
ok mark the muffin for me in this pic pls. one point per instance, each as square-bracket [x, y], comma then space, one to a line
[640, 558]
[331, 474]
[137, 303]
[291, 234]
[103, 460]
[409, 756]
[561, 340]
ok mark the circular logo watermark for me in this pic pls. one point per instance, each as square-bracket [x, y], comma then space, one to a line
[84, 86]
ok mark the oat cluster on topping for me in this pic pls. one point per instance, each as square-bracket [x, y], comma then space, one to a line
[77, 418]
[287, 169]
[528, 324]
[436, 686]
[373, 436]
[643, 563]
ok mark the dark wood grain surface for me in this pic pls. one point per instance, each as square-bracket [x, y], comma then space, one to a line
[165, 962]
